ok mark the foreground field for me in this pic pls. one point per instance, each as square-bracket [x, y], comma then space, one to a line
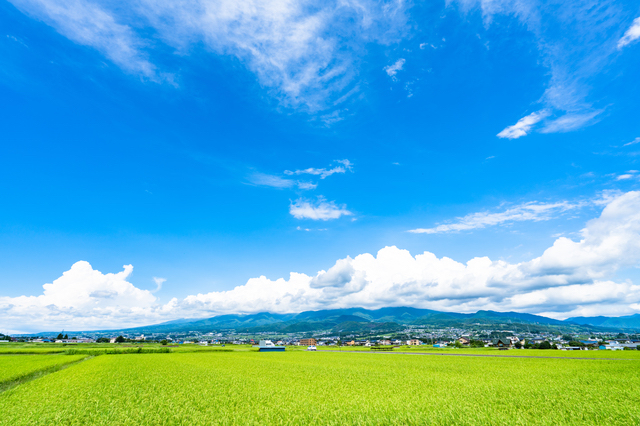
[15, 367]
[328, 388]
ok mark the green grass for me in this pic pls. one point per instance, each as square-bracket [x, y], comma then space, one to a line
[297, 387]
[118, 351]
[14, 367]
[30, 348]
[494, 351]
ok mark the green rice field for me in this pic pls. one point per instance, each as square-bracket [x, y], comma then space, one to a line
[325, 387]
[14, 367]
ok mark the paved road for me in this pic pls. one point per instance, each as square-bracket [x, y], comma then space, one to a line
[481, 355]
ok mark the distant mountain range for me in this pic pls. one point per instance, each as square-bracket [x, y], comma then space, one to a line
[627, 322]
[360, 320]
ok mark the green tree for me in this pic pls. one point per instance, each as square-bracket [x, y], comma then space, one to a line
[545, 345]
[66, 336]
[60, 336]
[119, 339]
[518, 345]
[164, 342]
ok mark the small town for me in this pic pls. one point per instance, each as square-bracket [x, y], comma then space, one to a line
[440, 338]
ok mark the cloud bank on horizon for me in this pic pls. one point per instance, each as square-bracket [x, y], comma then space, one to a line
[571, 278]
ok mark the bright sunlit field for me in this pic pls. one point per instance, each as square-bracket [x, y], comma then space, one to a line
[13, 367]
[297, 387]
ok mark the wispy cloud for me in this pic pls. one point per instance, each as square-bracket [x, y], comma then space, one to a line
[630, 174]
[532, 211]
[345, 166]
[576, 41]
[159, 282]
[306, 53]
[299, 228]
[633, 142]
[264, 179]
[320, 209]
[570, 122]
[273, 181]
[523, 126]
[307, 185]
[631, 35]
[89, 24]
[392, 70]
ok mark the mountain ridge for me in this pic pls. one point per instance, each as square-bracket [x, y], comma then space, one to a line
[355, 319]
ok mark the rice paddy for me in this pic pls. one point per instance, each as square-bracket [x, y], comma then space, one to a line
[14, 367]
[326, 387]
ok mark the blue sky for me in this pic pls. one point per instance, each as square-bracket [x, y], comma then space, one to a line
[210, 144]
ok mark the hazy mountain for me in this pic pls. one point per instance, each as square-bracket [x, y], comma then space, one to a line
[627, 322]
[360, 320]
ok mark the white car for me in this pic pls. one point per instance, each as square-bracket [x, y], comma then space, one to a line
[311, 348]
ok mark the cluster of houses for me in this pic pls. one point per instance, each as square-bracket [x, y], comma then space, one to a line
[76, 340]
[557, 343]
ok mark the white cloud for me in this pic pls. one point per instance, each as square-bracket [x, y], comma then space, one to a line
[632, 34]
[569, 278]
[576, 41]
[264, 179]
[82, 298]
[88, 24]
[630, 174]
[531, 211]
[306, 53]
[323, 173]
[523, 126]
[570, 122]
[392, 70]
[273, 181]
[307, 185]
[318, 210]
[159, 282]
[633, 142]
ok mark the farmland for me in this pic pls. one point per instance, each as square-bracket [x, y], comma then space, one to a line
[15, 367]
[296, 387]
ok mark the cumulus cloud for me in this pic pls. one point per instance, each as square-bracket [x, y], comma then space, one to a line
[320, 209]
[306, 52]
[523, 126]
[631, 35]
[569, 278]
[81, 298]
[530, 211]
